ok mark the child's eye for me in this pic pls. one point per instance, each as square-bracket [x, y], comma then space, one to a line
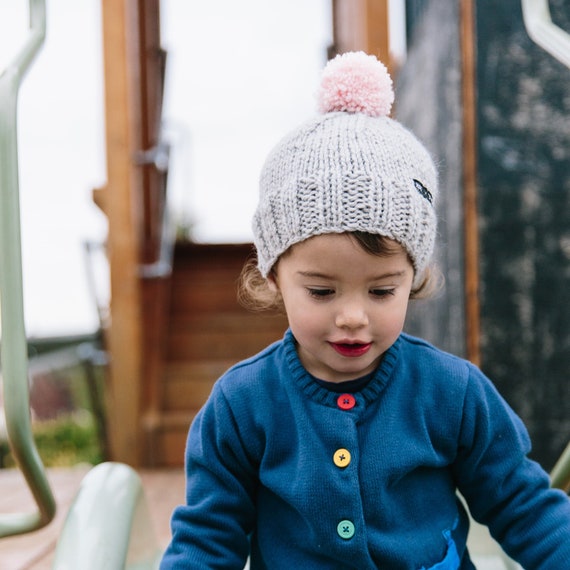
[381, 292]
[320, 293]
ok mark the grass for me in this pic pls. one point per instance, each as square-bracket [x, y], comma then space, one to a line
[63, 442]
[64, 397]
[67, 441]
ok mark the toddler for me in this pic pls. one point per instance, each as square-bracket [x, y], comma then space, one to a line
[343, 445]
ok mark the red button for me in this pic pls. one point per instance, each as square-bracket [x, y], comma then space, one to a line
[346, 401]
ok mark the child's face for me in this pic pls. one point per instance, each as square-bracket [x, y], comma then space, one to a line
[345, 306]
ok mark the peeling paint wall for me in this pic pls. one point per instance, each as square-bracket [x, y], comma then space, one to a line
[524, 201]
[523, 114]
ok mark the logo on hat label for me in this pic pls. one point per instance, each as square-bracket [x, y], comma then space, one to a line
[423, 191]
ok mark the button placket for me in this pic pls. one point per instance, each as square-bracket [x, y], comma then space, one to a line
[342, 458]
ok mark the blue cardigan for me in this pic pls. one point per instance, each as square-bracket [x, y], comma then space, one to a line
[283, 469]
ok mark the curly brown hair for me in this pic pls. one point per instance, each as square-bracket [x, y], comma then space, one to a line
[255, 294]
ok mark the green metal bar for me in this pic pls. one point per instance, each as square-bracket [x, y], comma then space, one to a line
[560, 474]
[544, 32]
[108, 525]
[13, 349]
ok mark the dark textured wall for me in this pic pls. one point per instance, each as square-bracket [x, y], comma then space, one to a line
[523, 122]
[524, 202]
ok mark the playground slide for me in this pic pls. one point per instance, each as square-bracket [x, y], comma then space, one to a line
[108, 525]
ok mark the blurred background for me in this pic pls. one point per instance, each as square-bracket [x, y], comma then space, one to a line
[142, 130]
[235, 82]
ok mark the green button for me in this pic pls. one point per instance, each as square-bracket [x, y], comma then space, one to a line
[345, 529]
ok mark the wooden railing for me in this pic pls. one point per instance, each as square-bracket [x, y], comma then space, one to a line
[140, 239]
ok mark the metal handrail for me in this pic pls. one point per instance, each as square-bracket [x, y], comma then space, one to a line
[560, 474]
[544, 32]
[13, 349]
[159, 157]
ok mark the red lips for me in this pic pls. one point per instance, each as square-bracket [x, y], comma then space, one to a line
[351, 350]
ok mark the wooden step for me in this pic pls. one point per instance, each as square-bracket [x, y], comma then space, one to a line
[207, 331]
[231, 321]
[187, 385]
[211, 345]
[232, 336]
[166, 441]
[206, 277]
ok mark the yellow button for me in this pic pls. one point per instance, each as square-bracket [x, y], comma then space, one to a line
[341, 458]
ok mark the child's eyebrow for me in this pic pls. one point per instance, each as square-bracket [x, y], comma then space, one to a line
[317, 275]
[313, 274]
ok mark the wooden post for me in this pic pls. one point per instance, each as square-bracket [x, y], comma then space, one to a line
[472, 310]
[120, 204]
[362, 25]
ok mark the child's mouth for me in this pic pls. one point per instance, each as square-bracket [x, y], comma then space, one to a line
[351, 349]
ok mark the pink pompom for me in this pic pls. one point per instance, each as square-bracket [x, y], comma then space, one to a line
[355, 82]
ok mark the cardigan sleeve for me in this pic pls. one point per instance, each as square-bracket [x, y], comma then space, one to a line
[212, 530]
[505, 490]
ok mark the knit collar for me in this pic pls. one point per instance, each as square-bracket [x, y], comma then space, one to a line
[318, 393]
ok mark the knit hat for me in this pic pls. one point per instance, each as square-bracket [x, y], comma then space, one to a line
[350, 169]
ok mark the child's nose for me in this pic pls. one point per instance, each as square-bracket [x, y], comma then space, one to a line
[352, 316]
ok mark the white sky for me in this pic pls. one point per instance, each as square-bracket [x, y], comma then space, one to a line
[61, 159]
[239, 76]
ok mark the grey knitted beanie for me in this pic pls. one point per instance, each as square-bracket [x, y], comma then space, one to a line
[350, 169]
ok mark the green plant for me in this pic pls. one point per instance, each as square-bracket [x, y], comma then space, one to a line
[66, 441]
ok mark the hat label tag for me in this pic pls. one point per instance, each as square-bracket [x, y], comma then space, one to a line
[423, 191]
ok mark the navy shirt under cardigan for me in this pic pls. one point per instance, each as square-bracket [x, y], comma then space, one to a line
[298, 476]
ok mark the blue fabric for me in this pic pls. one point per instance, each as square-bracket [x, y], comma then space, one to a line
[451, 560]
[261, 478]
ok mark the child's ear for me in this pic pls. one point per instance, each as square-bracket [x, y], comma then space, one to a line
[272, 282]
